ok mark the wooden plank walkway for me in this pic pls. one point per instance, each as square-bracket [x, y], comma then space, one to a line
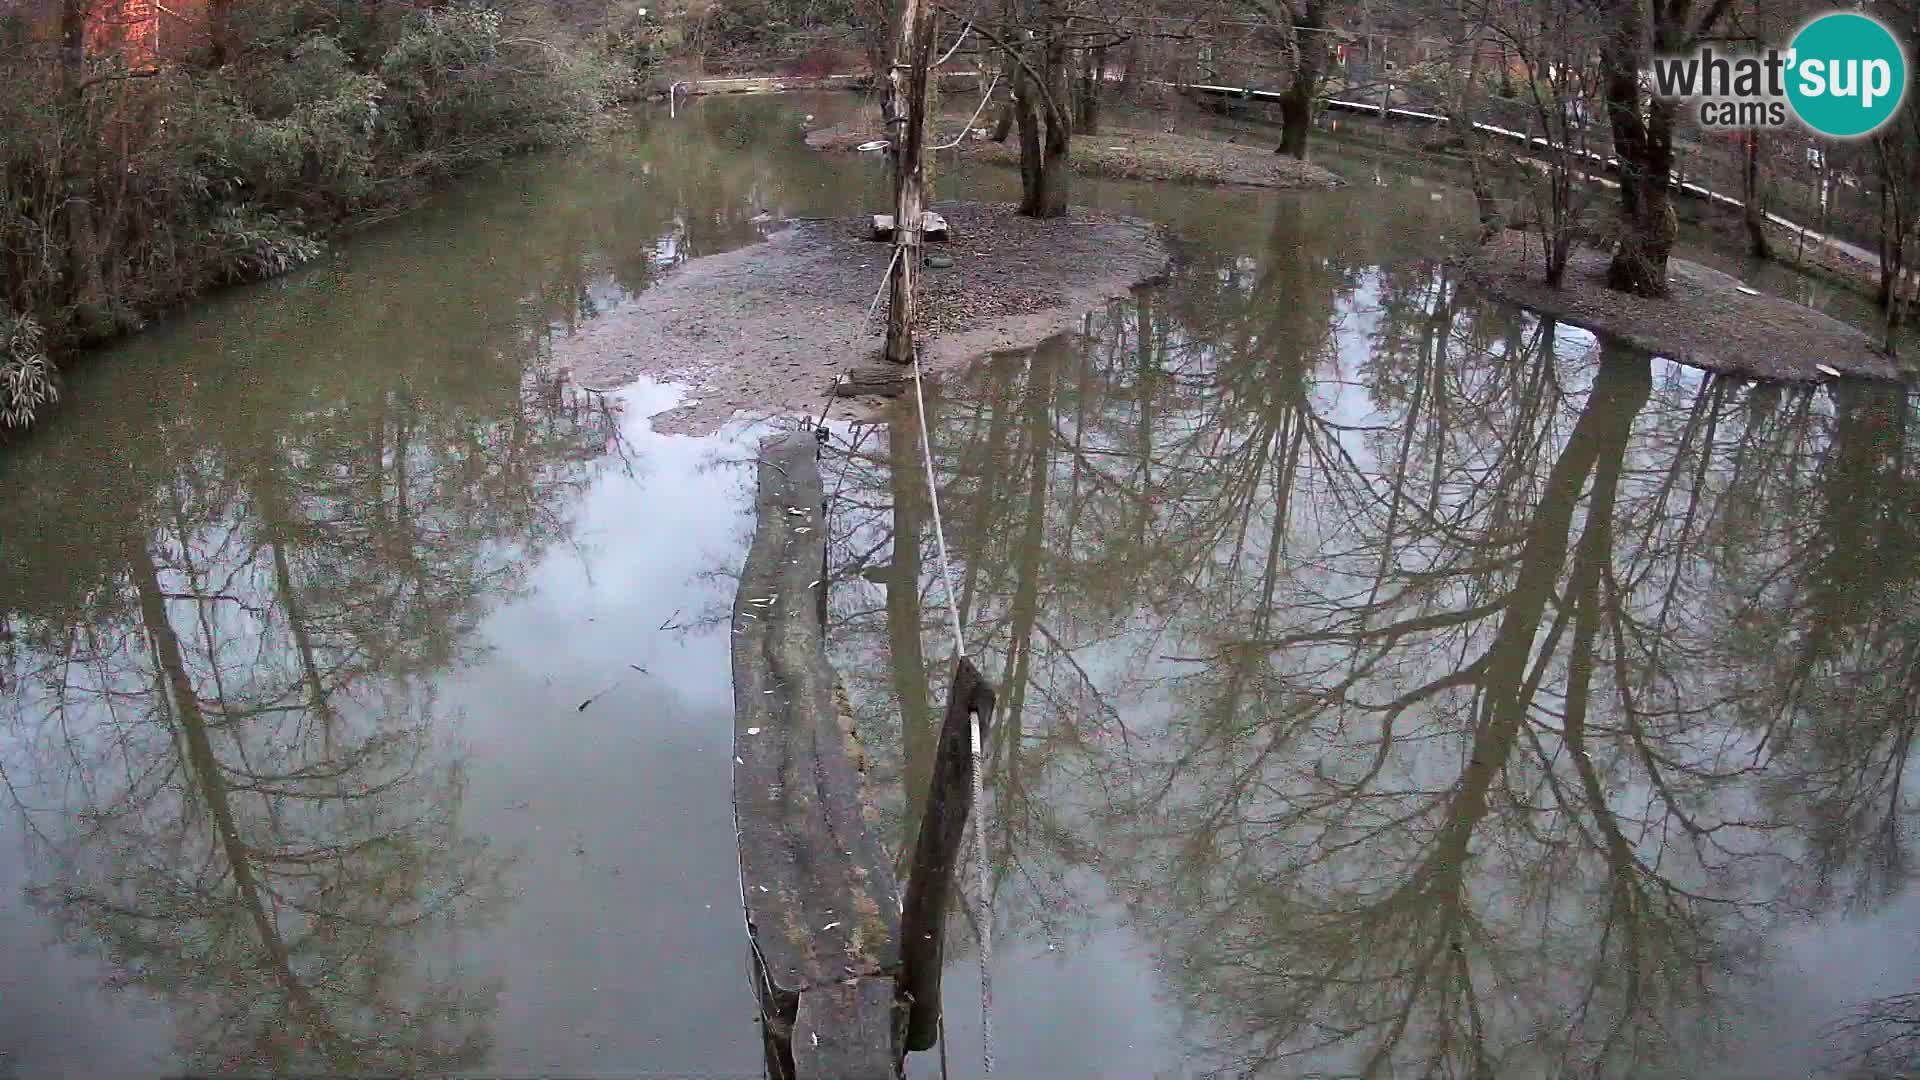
[822, 904]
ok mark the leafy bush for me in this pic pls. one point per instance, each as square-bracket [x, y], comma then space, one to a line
[27, 378]
[123, 193]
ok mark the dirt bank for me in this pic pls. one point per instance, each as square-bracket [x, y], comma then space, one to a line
[769, 328]
[1706, 322]
[1123, 154]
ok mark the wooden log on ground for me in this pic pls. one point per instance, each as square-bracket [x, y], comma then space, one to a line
[822, 905]
[875, 381]
[942, 825]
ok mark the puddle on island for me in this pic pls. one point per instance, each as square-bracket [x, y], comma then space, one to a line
[1392, 685]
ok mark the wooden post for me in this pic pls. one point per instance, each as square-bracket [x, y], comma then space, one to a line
[949, 801]
[905, 110]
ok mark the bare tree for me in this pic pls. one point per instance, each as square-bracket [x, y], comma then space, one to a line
[1299, 28]
[1552, 43]
[1643, 130]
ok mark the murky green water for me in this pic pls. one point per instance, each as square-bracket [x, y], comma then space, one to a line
[1393, 685]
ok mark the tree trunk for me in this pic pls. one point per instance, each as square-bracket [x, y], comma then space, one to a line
[1893, 232]
[1026, 114]
[1296, 116]
[1756, 212]
[1045, 132]
[1309, 50]
[905, 110]
[1093, 65]
[1003, 121]
[220, 31]
[1003, 116]
[76, 213]
[1464, 102]
[1644, 145]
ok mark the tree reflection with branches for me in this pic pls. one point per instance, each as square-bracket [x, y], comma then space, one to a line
[226, 743]
[1449, 695]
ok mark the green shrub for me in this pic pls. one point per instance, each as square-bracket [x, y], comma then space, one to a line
[27, 378]
[467, 83]
[141, 189]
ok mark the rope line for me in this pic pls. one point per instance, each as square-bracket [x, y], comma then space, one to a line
[976, 738]
[988, 96]
[976, 731]
[939, 530]
[965, 29]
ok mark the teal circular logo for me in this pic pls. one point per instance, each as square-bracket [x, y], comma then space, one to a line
[1847, 74]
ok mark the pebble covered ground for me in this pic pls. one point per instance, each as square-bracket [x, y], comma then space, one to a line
[1707, 321]
[768, 329]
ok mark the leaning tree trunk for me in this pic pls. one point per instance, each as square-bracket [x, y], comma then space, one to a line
[1309, 50]
[1644, 145]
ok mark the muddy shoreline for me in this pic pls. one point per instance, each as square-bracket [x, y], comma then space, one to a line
[1707, 322]
[768, 329]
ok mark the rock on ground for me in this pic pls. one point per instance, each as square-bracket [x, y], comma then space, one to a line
[767, 329]
[1706, 322]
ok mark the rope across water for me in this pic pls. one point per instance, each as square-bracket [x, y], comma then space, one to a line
[977, 730]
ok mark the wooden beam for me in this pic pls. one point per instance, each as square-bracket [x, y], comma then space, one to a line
[847, 1032]
[944, 823]
[822, 905]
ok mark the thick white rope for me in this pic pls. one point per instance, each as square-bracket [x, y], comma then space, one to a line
[882, 290]
[976, 737]
[988, 96]
[964, 31]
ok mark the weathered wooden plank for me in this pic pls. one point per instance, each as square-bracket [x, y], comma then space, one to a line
[848, 1031]
[822, 905]
[942, 825]
[875, 381]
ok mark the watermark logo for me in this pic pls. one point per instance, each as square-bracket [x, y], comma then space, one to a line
[1843, 75]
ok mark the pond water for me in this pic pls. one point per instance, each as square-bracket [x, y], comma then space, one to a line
[1391, 684]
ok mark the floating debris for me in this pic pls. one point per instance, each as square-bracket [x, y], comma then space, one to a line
[1746, 290]
[755, 730]
[1830, 372]
[830, 926]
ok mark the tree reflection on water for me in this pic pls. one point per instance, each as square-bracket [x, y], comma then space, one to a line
[1442, 693]
[225, 741]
